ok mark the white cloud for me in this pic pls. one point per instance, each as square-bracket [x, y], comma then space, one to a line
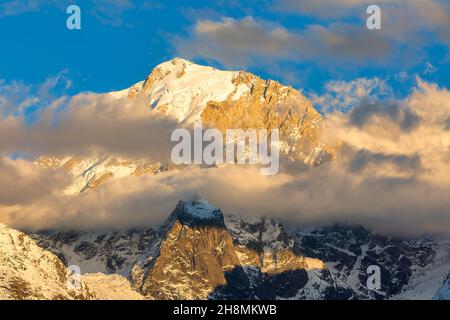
[16, 96]
[429, 69]
[344, 95]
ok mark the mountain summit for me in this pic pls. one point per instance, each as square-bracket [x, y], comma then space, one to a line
[197, 212]
[183, 89]
[234, 100]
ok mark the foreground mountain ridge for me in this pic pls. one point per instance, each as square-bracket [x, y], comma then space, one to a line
[201, 253]
[30, 272]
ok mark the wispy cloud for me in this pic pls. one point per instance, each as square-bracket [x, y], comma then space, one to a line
[108, 12]
[402, 18]
[16, 96]
[345, 95]
[18, 7]
[337, 35]
[243, 42]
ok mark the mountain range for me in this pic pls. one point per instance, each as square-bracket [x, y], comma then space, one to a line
[200, 252]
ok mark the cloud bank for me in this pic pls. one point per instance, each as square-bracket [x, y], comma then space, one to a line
[392, 175]
[89, 124]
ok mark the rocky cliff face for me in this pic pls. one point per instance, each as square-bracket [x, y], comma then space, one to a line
[106, 252]
[271, 259]
[269, 105]
[196, 252]
[410, 269]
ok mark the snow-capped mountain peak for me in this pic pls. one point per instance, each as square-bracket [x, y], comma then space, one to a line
[182, 89]
[196, 212]
[201, 209]
[221, 99]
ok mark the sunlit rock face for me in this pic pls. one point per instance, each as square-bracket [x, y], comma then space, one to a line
[236, 100]
[205, 255]
[195, 254]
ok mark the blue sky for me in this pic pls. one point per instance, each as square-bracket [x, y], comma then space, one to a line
[290, 41]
